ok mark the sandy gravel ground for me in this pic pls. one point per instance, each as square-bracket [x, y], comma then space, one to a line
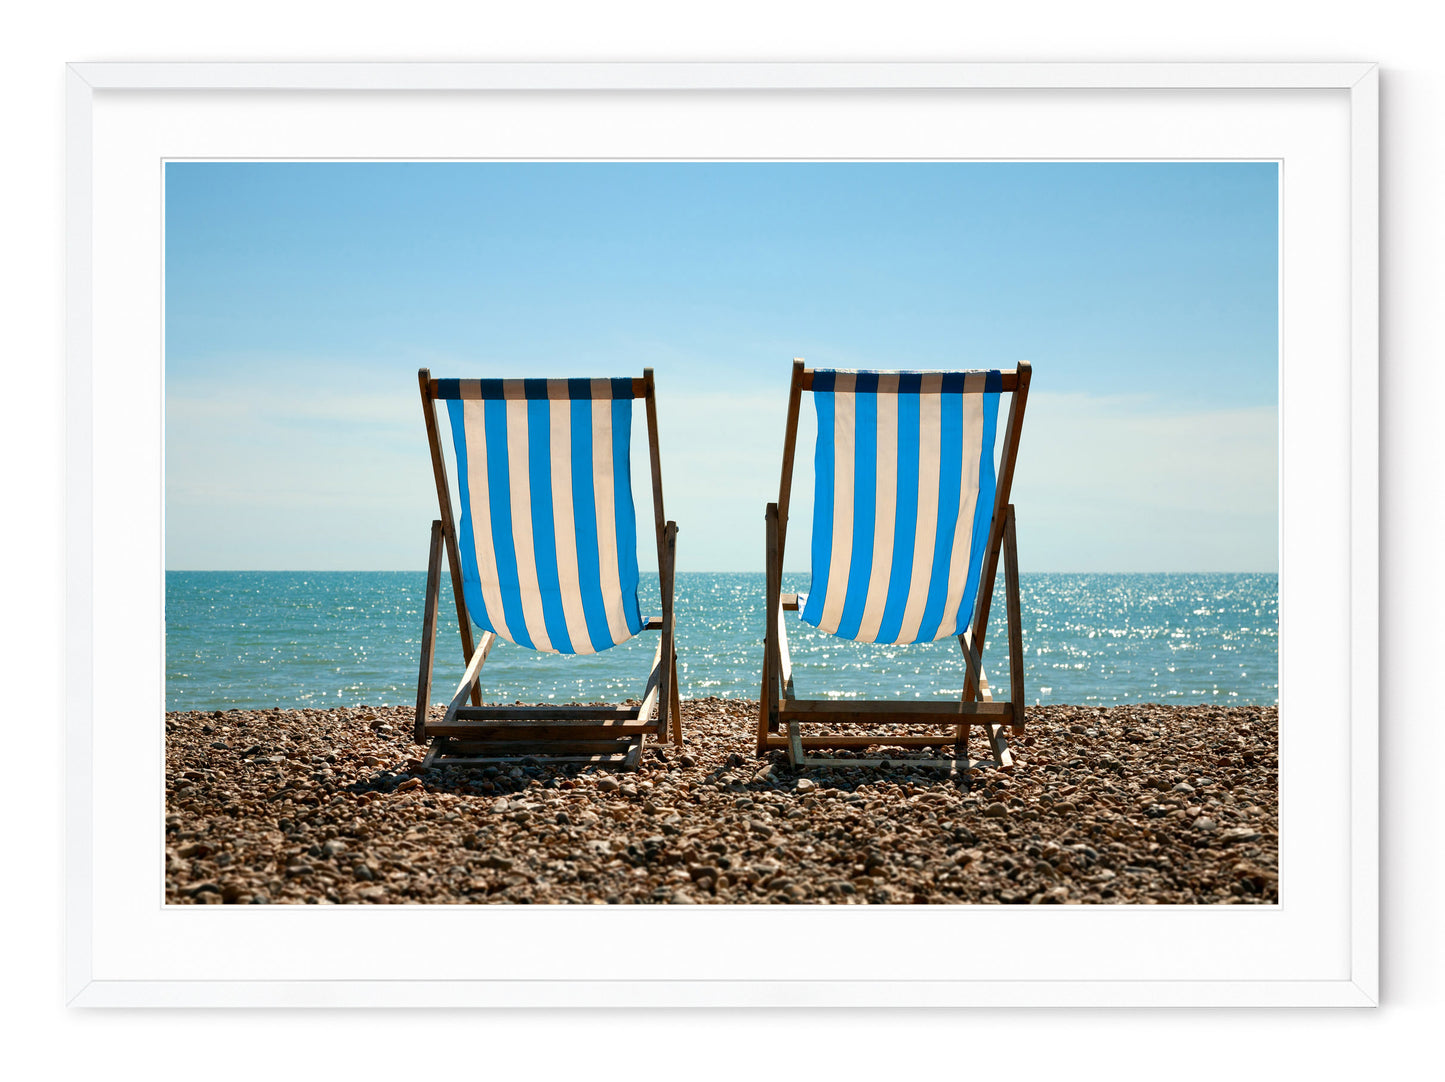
[1135, 804]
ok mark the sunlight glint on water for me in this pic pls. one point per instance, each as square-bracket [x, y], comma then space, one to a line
[339, 638]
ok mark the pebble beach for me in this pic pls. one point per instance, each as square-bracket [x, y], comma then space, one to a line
[1139, 804]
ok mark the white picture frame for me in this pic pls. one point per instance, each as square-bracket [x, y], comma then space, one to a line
[1319, 946]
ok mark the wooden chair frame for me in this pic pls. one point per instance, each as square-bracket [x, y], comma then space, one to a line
[476, 734]
[781, 714]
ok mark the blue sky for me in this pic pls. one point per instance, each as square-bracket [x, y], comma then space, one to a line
[302, 297]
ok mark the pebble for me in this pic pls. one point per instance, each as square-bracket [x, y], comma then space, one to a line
[311, 812]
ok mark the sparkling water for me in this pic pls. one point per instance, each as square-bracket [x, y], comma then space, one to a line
[342, 638]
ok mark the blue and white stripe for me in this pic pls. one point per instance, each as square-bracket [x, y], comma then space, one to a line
[902, 502]
[550, 562]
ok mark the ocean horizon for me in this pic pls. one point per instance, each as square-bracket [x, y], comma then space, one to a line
[326, 639]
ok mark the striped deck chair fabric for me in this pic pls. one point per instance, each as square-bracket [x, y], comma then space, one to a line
[903, 502]
[548, 534]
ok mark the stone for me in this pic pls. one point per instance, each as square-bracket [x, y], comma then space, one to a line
[1239, 835]
[1204, 823]
[892, 836]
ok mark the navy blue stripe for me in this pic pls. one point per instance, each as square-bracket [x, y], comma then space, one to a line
[865, 500]
[905, 519]
[911, 382]
[982, 512]
[822, 508]
[626, 513]
[584, 515]
[950, 489]
[532, 389]
[499, 488]
[466, 541]
[544, 531]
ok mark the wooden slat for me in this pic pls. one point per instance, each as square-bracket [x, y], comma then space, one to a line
[780, 740]
[667, 690]
[648, 710]
[655, 460]
[534, 713]
[444, 500]
[428, 632]
[676, 724]
[790, 602]
[627, 759]
[998, 744]
[973, 664]
[469, 678]
[533, 748]
[639, 387]
[785, 657]
[901, 712]
[1015, 618]
[541, 729]
[1007, 459]
[1010, 379]
[768, 697]
[790, 441]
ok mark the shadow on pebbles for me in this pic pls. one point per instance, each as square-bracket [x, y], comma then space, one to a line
[1140, 804]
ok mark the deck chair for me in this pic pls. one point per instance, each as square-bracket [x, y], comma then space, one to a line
[908, 524]
[545, 557]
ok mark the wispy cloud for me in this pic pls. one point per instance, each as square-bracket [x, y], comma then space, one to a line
[319, 471]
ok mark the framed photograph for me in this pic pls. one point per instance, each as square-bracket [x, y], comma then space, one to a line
[606, 275]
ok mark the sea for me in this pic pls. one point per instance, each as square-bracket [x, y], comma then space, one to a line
[319, 639]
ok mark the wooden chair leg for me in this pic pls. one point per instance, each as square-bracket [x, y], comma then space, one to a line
[676, 705]
[998, 745]
[1015, 620]
[768, 700]
[428, 633]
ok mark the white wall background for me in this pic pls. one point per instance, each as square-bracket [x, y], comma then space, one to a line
[37, 41]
